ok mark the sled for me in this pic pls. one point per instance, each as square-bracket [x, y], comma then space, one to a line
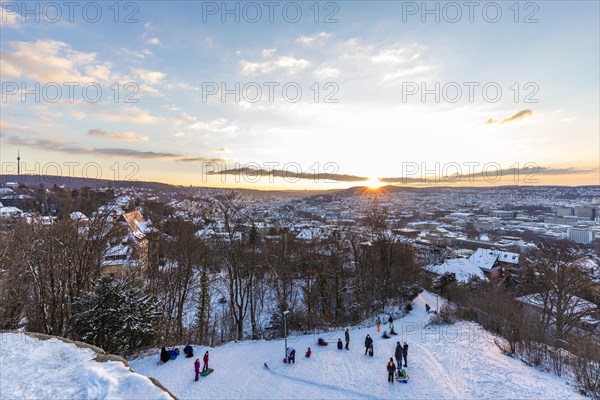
[393, 333]
[207, 372]
[403, 379]
[371, 351]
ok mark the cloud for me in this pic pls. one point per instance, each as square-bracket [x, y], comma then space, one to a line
[317, 37]
[288, 64]
[125, 136]
[288, 174]
[154, 41]
[202, 159]
[10, 19]
[48, 61]
[517, 116]
[267, 53]
[63, 147]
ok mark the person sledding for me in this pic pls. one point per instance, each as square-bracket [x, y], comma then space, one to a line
[392, 332]
[378, 323]
[368, 344]
[164, 355]
[188, 351]
[173, 353]
[308, 353]
[197, 368]
[322, 342]
[205, 359]
[340, 344]
[391, 368]
[385, 335]
[401, 374]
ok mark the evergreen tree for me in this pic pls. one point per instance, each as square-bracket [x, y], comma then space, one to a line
[115, 317]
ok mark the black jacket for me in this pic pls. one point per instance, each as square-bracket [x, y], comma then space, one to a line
[368, 341]
[391, 367]
[164, 356]
[398, 353]
[347, 336]
[340, 345]
[405, 350]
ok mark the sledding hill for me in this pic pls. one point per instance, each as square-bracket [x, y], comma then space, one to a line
[455, 362]
[51, 369]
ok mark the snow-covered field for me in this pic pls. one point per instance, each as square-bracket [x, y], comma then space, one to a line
[51, 369]
[459, 361]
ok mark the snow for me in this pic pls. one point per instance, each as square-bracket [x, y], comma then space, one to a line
[51, 369]
[461, 267]
[457, 361]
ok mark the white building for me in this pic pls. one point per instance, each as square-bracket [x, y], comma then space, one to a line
[580, 235]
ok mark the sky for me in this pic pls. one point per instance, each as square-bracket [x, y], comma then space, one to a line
[303, 95]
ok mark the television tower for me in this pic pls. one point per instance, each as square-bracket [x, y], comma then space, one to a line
[18, 162]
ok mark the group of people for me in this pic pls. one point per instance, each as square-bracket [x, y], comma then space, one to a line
[171, 354]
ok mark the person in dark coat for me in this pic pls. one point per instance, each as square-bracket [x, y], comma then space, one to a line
[427, 308]
[405, 353]
[164, 355]
[347, 335]
[340, 344]
[188, 351]
[391, 368]
[197, 368]
[398, 353]
[385, 335]
[368, 344]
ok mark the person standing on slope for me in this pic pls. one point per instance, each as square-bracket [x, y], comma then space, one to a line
[368, 344]
[378, 322]
[391, 321]
[164, 355]
[398, 353]
[205, 359]
[405, 354]
[339, 344]
[427, 308]
[291, 355]
[347, 335]
[391, 368]
[197, 368]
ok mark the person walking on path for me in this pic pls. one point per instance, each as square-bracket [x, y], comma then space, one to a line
[427, 308]
[368, 344]
[347, 336]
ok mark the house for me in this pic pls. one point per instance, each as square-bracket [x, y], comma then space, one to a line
[132, 250]
[462, 268]
[495, 263]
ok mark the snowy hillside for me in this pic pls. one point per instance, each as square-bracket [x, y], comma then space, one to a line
[51, 369]
[459, 362]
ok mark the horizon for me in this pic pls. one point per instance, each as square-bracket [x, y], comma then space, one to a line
[321, 96]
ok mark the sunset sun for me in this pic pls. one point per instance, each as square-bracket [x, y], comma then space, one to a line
[374, 183]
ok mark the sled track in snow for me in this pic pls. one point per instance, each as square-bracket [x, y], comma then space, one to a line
[321, 385]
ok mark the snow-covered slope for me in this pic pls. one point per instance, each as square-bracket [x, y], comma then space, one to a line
[459, 362]
[51, 369]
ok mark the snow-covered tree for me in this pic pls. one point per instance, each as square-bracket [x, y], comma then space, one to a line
[115, 317]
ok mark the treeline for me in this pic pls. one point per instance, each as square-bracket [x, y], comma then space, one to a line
[548, 317]
[227, 284]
